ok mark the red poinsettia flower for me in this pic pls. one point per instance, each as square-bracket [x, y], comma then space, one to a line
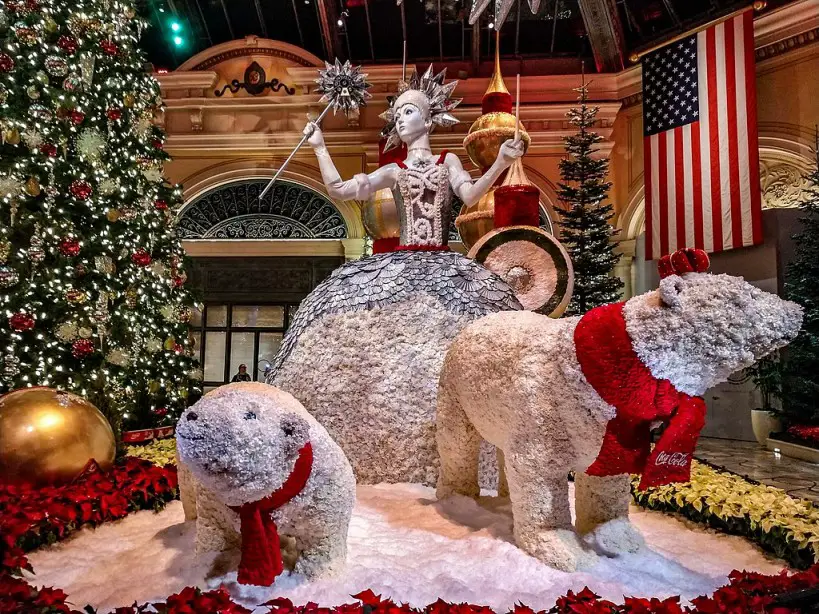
[82, 348]
[77, 117]
[67, 43]
[69, 247]
[141, 257]
[21, 322]
[80, 189]
[109, 47]
[49, 149]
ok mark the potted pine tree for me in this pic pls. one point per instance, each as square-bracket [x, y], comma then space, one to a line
[767, 378]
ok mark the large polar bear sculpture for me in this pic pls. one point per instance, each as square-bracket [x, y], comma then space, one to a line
[520, 381]
[254, 465]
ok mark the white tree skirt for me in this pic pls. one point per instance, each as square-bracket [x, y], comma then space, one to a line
[403, 544]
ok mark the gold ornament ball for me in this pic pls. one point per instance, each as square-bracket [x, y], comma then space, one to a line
[488, 133]
[49, 436]
[380, 216]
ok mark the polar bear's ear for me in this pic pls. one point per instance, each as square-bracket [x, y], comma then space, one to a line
[670, 289]
[296, 431]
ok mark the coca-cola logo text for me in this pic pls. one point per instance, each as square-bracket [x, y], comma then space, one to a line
[677, 459]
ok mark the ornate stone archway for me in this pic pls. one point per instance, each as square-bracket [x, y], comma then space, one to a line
[233, 211]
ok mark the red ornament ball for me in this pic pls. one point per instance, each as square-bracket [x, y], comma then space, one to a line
[113, 114]
[21, 322]
[69, 247]
[177, 347]
[49, 149]
[6, 63]
[141, 257]
[80, 189]
[161, 411]
[82, 348]
[68, 43]
[161, 205]
[109, 47]
[77, 117]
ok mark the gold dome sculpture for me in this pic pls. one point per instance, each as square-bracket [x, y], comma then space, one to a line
[496, 124]
[50, 436]
[482, 143]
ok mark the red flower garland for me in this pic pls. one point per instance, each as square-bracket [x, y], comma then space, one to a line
[31, 517]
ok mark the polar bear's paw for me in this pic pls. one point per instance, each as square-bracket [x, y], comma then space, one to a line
[559, 548]
[615, 537]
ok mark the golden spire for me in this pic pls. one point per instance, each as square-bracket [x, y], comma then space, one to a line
[496, 84]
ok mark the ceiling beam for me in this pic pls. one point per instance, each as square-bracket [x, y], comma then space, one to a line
[605, 34]
[328, 16]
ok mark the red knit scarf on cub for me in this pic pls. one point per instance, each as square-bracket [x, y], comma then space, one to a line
[616, 373]
[261, 552]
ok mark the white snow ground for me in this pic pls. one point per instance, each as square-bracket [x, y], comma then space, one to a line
[403, 544]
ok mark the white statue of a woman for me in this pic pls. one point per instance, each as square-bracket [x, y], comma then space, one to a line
[364, 351]
[425, 182]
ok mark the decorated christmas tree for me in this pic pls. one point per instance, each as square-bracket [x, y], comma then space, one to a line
[801, 364]
[584, 222]
[92, 274]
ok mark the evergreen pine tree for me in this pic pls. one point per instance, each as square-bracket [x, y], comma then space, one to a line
[585, 229]
[92, 274]
[801, 364]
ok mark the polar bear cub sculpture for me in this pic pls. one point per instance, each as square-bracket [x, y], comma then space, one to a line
[248, 442]
[515, 380]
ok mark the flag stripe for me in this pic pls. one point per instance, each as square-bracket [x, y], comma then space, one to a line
[679, 187]
[713, 131]
[687, 205]
[696, 190]
[705, 175]
[651, 234]
[655, 182]
[663, 188]
[734, 217]
[744, 212]
[753, 137]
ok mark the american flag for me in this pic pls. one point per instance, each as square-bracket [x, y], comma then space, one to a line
[700, 141]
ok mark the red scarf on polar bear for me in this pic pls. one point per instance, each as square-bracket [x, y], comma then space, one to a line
[616, 373]
[261, 551]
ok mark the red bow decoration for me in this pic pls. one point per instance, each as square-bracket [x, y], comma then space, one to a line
[612, 367]
[686, 260]
[261, 551]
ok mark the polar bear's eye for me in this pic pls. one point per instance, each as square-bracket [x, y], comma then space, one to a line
[250, 416]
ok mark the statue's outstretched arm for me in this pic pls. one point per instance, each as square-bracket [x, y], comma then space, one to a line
[360, 187]
[470, 192]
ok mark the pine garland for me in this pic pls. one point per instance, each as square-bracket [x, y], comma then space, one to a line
[801, 366]
[584, 222]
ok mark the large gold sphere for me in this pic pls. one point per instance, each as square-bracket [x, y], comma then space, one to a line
[49, 436]
[488, 133]
[380, 216]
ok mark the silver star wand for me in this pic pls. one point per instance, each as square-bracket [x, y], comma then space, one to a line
[344, 88]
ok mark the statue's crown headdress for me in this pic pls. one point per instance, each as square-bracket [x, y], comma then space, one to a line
[427, 92]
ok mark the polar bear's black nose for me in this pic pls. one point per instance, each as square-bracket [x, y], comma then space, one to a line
[192, 415]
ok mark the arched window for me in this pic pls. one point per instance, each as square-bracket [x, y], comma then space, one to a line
[288, 211]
